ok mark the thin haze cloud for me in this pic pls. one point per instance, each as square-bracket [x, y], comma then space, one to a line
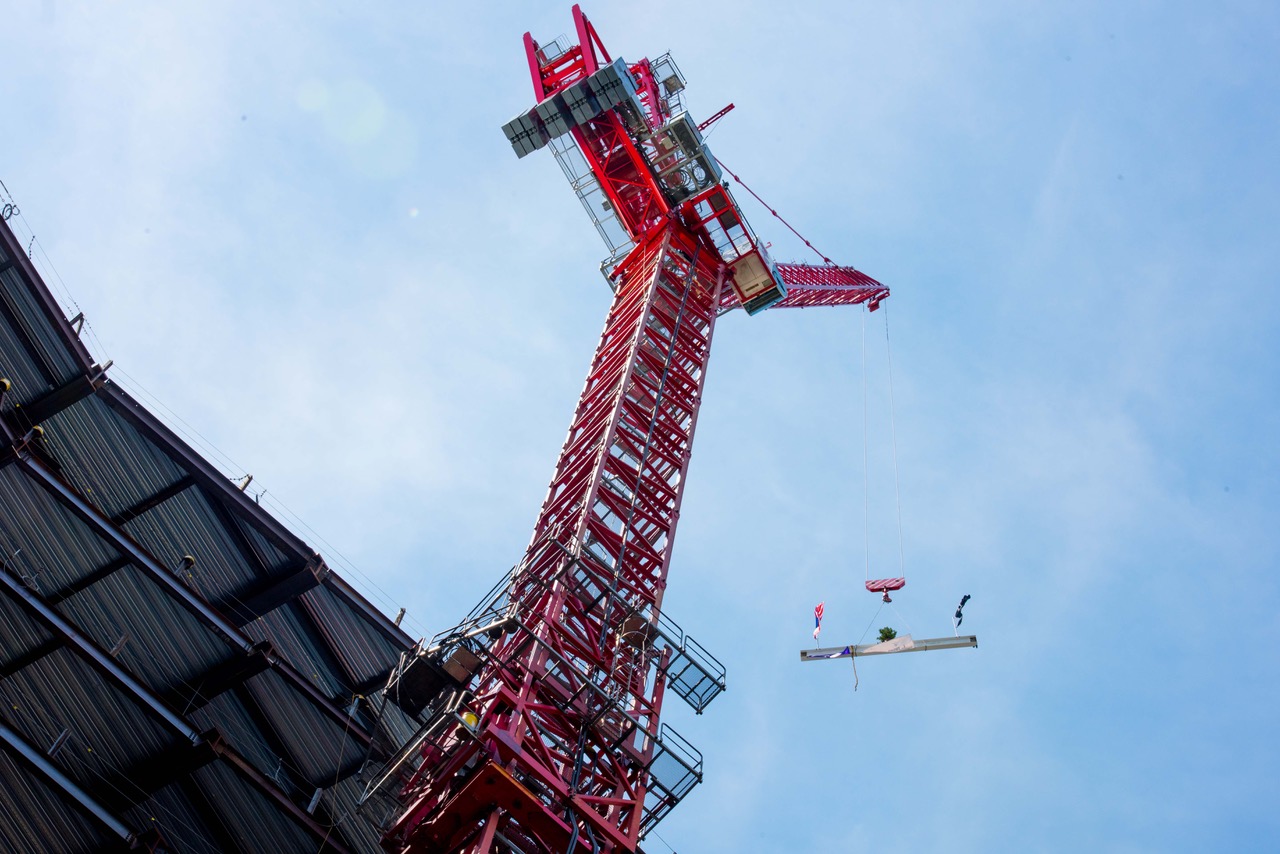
[303, 232]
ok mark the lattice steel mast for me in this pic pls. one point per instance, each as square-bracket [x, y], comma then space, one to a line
[543, 707]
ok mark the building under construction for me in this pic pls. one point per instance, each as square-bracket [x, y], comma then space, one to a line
[178, 670]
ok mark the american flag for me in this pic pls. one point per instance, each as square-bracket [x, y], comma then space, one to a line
[817, 619]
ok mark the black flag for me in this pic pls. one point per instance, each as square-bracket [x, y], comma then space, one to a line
[960, 610]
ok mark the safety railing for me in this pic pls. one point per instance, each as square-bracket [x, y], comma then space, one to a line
[675, 770]
[692, 672]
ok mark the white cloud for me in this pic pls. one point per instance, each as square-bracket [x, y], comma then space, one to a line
[1083, 365]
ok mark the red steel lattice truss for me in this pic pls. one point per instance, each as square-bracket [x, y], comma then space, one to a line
[571, 699]
[556, 743]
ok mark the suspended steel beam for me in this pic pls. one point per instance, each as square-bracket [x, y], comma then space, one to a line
[902, 644]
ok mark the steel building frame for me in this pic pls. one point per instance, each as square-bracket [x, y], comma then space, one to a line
[221, 701]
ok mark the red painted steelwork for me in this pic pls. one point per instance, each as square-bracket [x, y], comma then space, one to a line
[810, 285]
[880, 585]
[724, 111]
[622, 172]
[568, 708]
[615, 159]
[884, 585]
[553, 744]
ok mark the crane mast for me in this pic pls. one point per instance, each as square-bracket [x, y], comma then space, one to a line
[542, 709]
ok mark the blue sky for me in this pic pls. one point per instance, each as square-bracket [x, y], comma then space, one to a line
[303, 233]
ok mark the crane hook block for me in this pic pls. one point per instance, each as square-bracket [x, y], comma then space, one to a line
[884, 585]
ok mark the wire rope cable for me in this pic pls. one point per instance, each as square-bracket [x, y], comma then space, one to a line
[866, 470]
[776, 215]
[893, 429]
[871, 622]
[900, 617]
[663, 841]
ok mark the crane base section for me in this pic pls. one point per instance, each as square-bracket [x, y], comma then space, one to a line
[899, 644]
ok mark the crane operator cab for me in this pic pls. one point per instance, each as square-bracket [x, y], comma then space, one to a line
[691, 180]
[756, 281]
[754, 276]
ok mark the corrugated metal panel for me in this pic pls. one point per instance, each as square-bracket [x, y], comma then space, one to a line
[186, 525]
[361, 830]
[273, 557]
[37, 817]
[19, 632]
[318, 746]
[105, 457]
[229, 715]
[366, 650]
[258, 824]
[300, 647]
[167, 647]
[53, 348]
[17, 365]
[171, 812]
[392, 719]
[41, 540]
[110, 732]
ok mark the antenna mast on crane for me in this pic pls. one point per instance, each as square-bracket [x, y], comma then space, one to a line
[543, 707]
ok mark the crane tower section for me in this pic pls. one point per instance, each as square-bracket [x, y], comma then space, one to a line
[542, 710]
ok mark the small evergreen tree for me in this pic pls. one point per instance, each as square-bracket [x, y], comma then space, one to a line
[887, 634]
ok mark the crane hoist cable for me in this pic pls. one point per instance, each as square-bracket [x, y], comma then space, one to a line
[893, 430]
[777, 215]
[866, 465]
[883, 586]
[879, 585]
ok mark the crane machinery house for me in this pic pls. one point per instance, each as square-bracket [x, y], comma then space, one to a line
[672, 156]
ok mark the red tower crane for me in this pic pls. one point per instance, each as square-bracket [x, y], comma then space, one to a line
[543, 707]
